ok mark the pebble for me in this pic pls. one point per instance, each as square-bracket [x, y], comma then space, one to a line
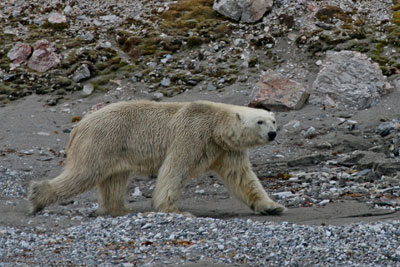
[166, 82]
[88, 89]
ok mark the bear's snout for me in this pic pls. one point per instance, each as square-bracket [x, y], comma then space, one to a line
[271, 136]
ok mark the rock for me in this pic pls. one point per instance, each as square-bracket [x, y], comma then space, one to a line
[19, 54]
[89, 36]
[284, 194]
[243, 10]
[278, 93]
[137, 192]
[348, 79]
[308, 160]
[385, 128]
[165, 82]
[378, 163]
[309, 133]
[88, 89]
[43, 57]
[292, 125]
[81, 73]
[157, 96]
[324, 202]
[67, 10]
[211, 87]
[57, 18]
[96, 107]
[109, 18]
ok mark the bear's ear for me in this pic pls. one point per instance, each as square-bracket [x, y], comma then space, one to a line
[238, 116]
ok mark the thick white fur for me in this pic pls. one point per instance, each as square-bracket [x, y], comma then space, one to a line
[175, 141]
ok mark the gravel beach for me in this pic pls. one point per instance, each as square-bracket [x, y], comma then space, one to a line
[157, 239]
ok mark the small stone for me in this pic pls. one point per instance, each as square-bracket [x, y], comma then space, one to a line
[88, 36]
[75, 119]
[293, 124]
[147, 225]
[292, 37]
[137, 192]
[285, 194]
[82, 73]
[324, 202]
[385, 128]
[157, 96]
[57, 18]
[211, 87]
[309, 132]
[106, 44]
[109, 18]
[88, 89]
[165, 82]
[67, 10]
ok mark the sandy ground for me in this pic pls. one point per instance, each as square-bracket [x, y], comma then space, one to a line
[30, 125]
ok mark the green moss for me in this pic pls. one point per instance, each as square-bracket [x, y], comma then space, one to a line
[396, 7]
[194, 41]
[63, 81]
[396, 17]
[128, 67]
[380, 59]
[100, 81]
[327, 13]
[55, 26]
[385, 70]
[5, 89]
[114, 60]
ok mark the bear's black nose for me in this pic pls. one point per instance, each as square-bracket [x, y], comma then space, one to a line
[271, 136]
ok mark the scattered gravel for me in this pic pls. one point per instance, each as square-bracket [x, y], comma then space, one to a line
[158, 239]
[11, 182]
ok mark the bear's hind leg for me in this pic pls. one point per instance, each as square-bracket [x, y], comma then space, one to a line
[242, 182]
[170, 183]
[67, 184]
[112, 194]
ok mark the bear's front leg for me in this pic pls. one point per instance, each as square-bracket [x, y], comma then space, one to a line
[235, 171]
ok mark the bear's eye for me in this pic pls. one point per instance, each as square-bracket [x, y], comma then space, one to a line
[260, 122]
[273, 122]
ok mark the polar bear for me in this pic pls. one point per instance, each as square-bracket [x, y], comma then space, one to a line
[175, 141]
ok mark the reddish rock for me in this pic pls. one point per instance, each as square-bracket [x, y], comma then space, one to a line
[43, 57]
[19, 54]
[57, 18]
[278, 93]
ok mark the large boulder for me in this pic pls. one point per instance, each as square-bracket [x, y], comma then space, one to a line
[243, 10]
[278, 93]
[348, 79]
[19, 54]
[43, 57]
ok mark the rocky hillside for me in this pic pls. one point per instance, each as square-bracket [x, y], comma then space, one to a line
[169, 47]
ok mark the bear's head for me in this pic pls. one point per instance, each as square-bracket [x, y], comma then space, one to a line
[248, 127]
